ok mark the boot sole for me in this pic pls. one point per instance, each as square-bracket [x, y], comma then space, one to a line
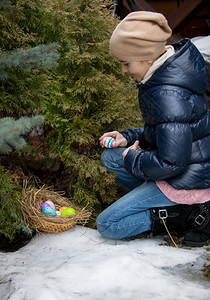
[196, 244]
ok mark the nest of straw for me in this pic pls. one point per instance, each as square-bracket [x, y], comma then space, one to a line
[31, 202]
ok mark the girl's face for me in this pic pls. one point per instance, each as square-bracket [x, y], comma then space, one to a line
[136, 69]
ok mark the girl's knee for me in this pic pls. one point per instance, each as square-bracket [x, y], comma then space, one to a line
[102, 225]
[112, 158]
[105, 157]
[105, 228]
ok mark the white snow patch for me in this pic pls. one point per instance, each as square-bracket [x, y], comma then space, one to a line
[81, 264]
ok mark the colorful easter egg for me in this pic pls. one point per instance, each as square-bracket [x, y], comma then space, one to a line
[48, 210]
[68, 211]
[108, 142]
[62, 208]
[50, 203]
[43, 205]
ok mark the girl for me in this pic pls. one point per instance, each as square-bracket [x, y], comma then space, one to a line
[165, 165]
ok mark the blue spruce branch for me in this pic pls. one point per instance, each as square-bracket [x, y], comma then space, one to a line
[11, 131]
[4, 3]
[41, 56]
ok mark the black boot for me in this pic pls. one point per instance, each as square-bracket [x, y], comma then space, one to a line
[177, 218]
[201, 234]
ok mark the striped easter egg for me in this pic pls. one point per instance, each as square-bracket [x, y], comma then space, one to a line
[108, 142]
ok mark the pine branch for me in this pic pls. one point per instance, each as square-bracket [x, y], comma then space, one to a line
[11, 131]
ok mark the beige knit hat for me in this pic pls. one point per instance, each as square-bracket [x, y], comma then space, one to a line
[140, 36]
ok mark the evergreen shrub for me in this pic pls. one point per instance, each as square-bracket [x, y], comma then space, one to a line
[24, 65]
[12, 222]
[82, 97]
[88, 96]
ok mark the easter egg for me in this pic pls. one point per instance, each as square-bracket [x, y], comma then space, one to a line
[48, 210]
[44, 205]
[50, 203]
[68, 211]
[62, 208]
[108, 142]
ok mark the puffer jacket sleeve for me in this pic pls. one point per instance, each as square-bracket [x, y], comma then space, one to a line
[132, 135]
[174, 142]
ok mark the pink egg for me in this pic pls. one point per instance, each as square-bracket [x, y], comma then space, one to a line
[50, 203]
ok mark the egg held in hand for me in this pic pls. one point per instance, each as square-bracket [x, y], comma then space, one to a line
[108, 142]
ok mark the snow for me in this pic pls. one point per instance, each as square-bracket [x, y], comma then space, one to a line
[81, 264]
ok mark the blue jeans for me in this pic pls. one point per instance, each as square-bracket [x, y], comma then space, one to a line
[130, 215]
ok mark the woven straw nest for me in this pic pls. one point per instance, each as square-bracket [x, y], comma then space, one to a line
[31, 202]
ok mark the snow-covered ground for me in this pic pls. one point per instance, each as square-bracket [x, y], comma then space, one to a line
[81, 264]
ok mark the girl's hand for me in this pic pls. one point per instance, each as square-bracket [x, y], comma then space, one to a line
[120, 141]
[134, 146]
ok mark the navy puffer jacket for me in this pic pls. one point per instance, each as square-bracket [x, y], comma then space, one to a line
[175, 140]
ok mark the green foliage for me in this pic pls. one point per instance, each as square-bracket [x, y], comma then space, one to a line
[25, 23]
[11, 131]
[27, 30]
[11, 217]
[88, 96]
[21, 90]
[83, 97]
